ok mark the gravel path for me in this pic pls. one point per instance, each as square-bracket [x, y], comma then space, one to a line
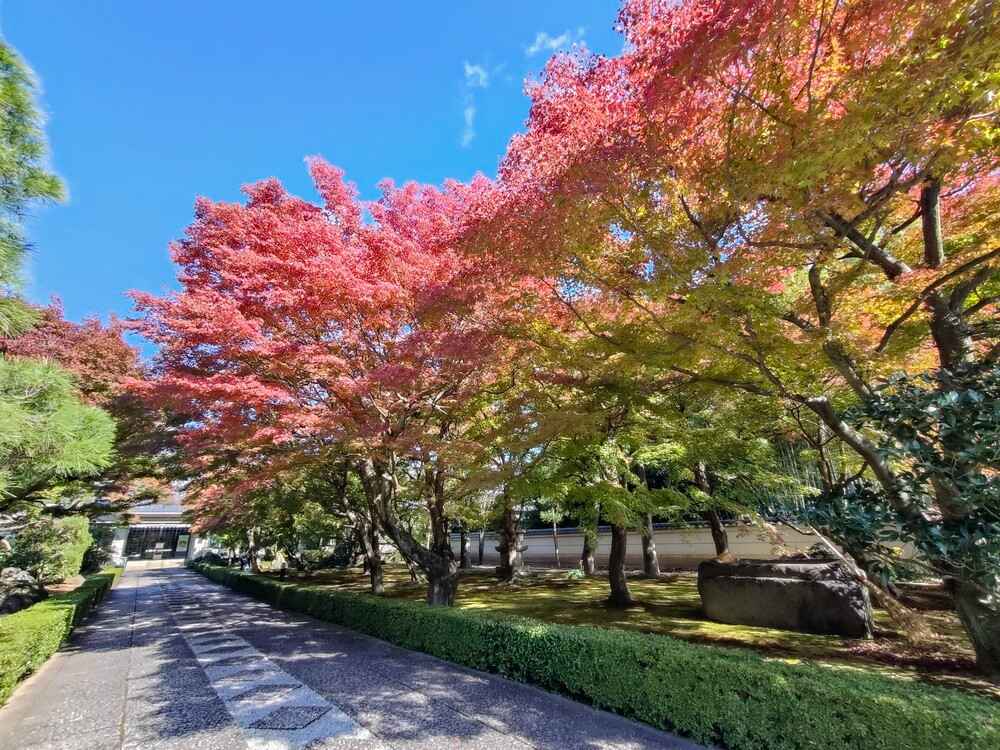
[174, 661]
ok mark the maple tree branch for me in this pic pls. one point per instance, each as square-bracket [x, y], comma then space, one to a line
[799, 322]
[820, 297]
[743, 385]
[822, 407]
[598, 280]
[697, 224]
[984, 302]
[962, 290]
[904, 224]
[760, 361]
[814, 57]
[758, 105]
[930, 215]
[579, 316]
[893, 186]
[927, 291]
[865, 249]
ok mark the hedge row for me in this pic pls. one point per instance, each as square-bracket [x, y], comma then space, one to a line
[29, 637]
[731, 698]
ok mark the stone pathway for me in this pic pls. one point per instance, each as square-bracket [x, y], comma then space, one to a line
[172, 661]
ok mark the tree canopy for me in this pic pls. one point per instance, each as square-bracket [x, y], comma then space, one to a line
[26, 179]
[727, 236]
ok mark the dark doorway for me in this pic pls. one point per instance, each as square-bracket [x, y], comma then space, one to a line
[153, 542]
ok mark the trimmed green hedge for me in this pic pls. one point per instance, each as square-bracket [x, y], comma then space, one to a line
[29, 637]
[731, 698]
[71, 552]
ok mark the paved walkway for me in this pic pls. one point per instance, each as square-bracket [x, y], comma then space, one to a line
[172, 661]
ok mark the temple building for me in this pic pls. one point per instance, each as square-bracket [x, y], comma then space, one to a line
[155, 532]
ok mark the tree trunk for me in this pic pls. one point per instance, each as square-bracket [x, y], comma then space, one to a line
[868, 451]
[414, 571]
[930, 221]
[442, 585]
[367, 533]
[510, 555]
[620, 594]
[982, 623]
[719, 535]
[463, 543]
[555, 542]
[373, 559]
[436, 560]
[442, 568]
[482, 545]
[711, 516]
[376, 578]
[650, 562]
[587, 562]
[951, 333]
[293, 557]
[252, 552]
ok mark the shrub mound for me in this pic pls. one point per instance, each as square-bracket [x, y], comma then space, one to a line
[29, 637]
[51, 550]
[730, 698]
[211, 558]
[74, 548]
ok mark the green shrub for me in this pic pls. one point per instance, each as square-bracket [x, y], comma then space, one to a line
[29, 637]
[51, 550]
[98, 554]
[734, 699]
[77, 541]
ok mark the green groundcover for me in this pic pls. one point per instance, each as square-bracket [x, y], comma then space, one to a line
[725, 697]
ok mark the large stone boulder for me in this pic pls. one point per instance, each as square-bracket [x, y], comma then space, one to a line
[811, 596]
[18, 590]
[211, 558]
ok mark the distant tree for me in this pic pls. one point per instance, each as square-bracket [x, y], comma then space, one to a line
[24, 180]
[49, 439]
[102, 363]
[96, 354]
[595, 468]
[718, 450]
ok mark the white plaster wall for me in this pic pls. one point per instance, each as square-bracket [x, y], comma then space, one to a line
[674, 547]
[196, 546]
[118, 545]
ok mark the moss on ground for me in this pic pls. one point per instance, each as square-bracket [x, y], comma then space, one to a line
[671, 606]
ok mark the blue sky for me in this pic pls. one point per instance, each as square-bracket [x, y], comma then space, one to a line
[151, 104]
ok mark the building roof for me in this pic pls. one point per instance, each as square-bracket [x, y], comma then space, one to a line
[171, 507]
[170, 511]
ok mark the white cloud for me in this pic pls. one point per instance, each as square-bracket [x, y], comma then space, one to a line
[469, 133]
[545, 42]
[476, 76]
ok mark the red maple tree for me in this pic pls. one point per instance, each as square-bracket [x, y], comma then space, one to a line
[305, 330]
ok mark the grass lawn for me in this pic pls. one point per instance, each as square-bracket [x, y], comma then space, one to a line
[671, 606]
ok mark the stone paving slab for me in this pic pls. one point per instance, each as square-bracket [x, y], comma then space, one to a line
[172, 661]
